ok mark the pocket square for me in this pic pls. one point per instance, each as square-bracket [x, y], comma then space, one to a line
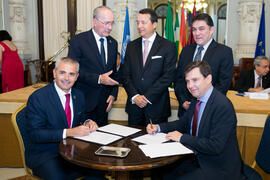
[155, 57]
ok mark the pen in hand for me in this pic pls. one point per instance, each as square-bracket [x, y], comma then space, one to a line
[151, 123]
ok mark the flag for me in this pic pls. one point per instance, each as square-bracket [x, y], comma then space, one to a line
[126, 36]
[169, 24]
[176, 30]
[182, 33]
[190, 38]
[260, 46]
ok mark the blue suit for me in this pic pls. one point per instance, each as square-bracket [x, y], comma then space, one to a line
[84, 49]
[215, 147]
[46, 120]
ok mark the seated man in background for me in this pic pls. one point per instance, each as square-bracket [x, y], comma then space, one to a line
[53, 113]
[208, 128]
[256, 79]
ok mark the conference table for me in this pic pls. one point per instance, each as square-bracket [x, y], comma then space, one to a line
[83, 154]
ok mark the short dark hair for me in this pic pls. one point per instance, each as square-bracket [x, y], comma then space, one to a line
[151, 12]
[204, 67]
[4, 35]
[204, 17]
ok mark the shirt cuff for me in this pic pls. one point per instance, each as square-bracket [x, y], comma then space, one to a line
[65, 134]
[132, 99]
[99, 79]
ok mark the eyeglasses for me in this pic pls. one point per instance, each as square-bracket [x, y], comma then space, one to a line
[106, 23]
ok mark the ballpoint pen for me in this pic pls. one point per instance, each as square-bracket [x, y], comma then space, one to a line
[151, 123]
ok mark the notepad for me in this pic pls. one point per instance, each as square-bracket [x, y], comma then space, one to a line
[119, 129]
[99, 138]
[157, 138]
[164, 149]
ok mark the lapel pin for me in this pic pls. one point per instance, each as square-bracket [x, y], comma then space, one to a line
[74, 97]
[110, 41]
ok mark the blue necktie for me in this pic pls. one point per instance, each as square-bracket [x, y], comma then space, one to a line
[102, 51]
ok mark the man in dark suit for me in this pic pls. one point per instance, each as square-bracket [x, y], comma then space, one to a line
[218, 56]
[96, 53]
[257, 79]
[208, 128]
[148, 70]
[53, 113]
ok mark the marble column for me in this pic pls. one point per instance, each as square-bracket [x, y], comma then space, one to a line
[249, 20]
[18, 25]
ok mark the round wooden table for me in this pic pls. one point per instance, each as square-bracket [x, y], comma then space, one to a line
[83, 154]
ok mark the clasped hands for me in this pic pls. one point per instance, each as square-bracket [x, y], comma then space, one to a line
[82, 130]
[174, 135]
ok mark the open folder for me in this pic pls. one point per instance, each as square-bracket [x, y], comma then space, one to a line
[164, 149]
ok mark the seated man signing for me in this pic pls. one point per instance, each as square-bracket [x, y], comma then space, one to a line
[208, 128]
[53, 113]
[257, 79]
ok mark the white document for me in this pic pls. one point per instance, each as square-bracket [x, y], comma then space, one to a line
[165, 149]
[257, 95]
[119, 129]
[99, 138]
[157, 138]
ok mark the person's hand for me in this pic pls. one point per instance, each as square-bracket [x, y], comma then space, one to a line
[92, 125]
[140, 101]
[151, 128]
[258, 89]
[78, 131]
[174, 136]
[110, 102]
[106, 80]
[185, 105]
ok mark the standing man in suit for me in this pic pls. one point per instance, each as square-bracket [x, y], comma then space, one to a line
[53, 113]
[208, 128]
[256, 79]
[96, 53]
[148, 70]
[218, 56]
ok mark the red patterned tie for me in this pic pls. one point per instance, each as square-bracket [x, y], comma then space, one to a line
[68, 110]
[195, 118]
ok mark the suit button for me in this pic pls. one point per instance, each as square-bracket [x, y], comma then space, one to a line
[142, 79]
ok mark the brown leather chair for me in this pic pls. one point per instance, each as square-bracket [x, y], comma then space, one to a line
[246, 63]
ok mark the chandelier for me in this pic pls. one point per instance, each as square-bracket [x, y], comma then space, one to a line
[188, 4]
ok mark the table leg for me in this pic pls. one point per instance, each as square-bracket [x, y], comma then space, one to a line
[122, 175]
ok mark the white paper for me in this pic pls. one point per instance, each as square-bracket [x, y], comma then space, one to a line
[266, 90]
[119, 129]
[157, 138]
[257, 95]
[100, 138]
[165, 149]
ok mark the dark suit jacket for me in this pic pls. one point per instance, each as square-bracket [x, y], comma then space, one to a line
[247, 80]
[153, 79]
[84, 49]
[220, 59]
[263, 156]
[216, 146]
[46, 120]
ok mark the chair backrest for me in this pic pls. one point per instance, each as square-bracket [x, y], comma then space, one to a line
[263, 155]
[18, 121]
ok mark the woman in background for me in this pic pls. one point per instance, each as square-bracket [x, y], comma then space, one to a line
[12, 67]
